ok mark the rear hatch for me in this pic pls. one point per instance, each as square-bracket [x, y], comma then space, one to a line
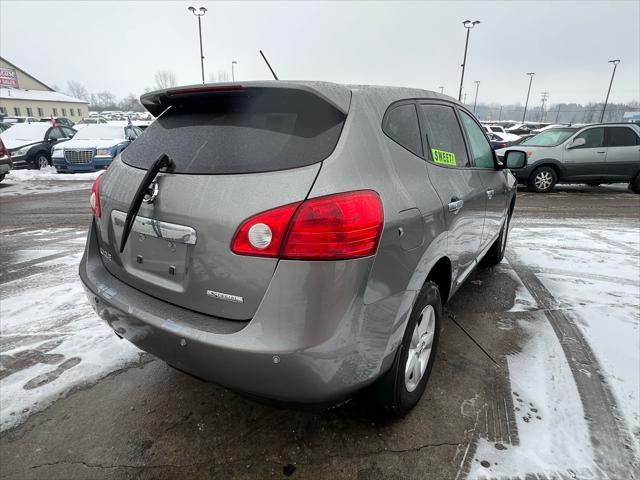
[237, 151]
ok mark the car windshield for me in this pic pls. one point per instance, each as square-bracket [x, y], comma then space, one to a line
[100, 132]
[26, 131]
[550, 138]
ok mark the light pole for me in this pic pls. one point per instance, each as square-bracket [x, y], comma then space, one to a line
[531, 74]
[233, 72]
[202, 12]
[543, 98]
[468, 24]
[441, 89]
[475, 102]
[615, 65]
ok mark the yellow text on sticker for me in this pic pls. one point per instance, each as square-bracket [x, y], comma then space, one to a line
[445, 158]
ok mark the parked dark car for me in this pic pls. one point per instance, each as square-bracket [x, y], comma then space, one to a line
[297, 240]
[5, 161]
[30, 143]
[59, 121]
[496, 141]
[520, 140]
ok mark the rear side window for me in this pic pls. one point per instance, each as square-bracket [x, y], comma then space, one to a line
[444, 136]
[621, 137]
[594, 138]
[247, 131]
[401, 125]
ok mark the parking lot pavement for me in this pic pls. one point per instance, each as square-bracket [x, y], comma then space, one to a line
[536, 374]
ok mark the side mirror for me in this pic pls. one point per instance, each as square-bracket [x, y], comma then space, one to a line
[515, 159]
[578, 142]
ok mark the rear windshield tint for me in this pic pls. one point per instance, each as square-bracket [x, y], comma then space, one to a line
[253, 130]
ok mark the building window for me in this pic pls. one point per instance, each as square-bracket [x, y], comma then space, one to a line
[3, 111]
[64, 112]
[71, 113]
[29, 112]
[16, 111]
[55, 112]
[40, 112]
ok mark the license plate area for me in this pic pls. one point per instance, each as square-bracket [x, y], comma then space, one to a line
[156, 252]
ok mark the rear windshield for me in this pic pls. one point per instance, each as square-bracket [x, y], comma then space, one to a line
[253, 130]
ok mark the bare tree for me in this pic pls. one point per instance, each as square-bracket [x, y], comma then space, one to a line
[165, 79]
[77, 90]
[219, 76]
[130, 103]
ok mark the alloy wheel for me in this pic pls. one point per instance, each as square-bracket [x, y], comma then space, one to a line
[420, 348]
[43, 162]
[543, 180]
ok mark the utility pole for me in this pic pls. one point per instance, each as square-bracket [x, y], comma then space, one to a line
[201, 14]
[233, 71]
[441, 89]
[615, 65]
[557, 114]
[543, 98]
[500, 114]
[465, 99]
[526, 104]
[468, 24]
[475, 102]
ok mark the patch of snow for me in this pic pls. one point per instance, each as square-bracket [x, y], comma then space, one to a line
[52, 341]
[50, 173]
[553, 435]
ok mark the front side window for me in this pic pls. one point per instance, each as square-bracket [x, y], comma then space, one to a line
[68, 132]
[401, 125]
[594, 138]
[621, 137]
[444, 136]
[480, 149]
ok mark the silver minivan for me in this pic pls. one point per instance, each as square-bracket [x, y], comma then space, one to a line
[296, 241]
[592, 154]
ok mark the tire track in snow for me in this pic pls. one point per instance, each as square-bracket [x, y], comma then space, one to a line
[609, 435]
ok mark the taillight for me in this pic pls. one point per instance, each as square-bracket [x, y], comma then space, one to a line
[94, 200]
[333, 227]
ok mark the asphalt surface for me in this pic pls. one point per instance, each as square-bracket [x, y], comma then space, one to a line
[149, 421]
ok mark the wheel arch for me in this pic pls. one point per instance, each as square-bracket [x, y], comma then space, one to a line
[440, 274]
[549, 162]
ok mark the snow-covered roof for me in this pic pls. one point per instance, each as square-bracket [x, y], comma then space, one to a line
[36, 95]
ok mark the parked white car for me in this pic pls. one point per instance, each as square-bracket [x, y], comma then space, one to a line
[508, 137]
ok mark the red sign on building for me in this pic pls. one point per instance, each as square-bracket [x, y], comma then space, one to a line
[8, 77]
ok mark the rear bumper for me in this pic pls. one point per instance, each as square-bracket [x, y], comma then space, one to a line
[301, 350]
[97, 163]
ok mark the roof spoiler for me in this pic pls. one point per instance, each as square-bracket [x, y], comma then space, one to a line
[157, 102]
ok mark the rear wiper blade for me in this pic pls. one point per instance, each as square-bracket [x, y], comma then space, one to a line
[162, 162]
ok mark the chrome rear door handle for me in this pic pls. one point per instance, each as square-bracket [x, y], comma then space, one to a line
[456, 205]
[490, 193]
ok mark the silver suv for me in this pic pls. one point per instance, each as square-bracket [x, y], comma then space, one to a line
[595, 154]
[293, 240]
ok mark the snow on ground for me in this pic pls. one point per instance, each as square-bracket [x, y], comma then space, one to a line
[593, 272]
[50, 338]
[21, 182]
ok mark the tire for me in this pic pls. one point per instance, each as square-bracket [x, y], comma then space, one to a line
[635, 184]
[542, 180]
[396, 392]
[593, 184]
[41, 161]
[496, 253]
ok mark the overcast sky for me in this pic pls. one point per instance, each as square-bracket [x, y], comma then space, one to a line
[119, 45]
